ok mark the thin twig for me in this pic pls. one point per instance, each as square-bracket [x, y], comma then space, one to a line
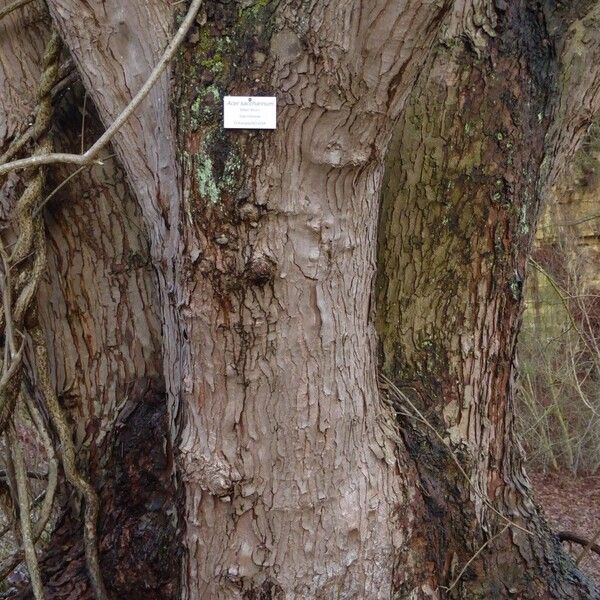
[12, 358]
[568, 536]
[52, 477]
[83, 110]
[6, 283]
[571, 223]
[481, 549]
[563, 295]
[591, 545]
[91, 155]
[62, 184]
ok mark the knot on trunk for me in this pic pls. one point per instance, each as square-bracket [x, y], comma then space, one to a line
[260, 270]
[213, 475]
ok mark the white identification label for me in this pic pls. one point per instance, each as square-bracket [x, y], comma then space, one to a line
[249, 112]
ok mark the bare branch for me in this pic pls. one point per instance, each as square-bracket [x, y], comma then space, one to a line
[568, 536]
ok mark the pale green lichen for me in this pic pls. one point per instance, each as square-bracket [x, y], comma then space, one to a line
[231, 172]
[524, 226]
[516, 286]
[211, 182]
[202, 110]
[207, 186]
[212, 60]
[255, 8]
[214, 64]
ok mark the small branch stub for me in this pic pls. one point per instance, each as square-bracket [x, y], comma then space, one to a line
[249, 213]
[260, 270]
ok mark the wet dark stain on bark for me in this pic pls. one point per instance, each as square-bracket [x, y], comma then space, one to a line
[140, 553]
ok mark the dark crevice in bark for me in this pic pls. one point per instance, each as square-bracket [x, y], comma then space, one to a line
[267, 591]
[560, 14]
[139, 540]
[139, 545]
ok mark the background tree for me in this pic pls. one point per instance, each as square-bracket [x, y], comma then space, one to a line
[228, 288]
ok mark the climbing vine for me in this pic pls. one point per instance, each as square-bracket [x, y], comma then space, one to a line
[22, 336]
[26, 385]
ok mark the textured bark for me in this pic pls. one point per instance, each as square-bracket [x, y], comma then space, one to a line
[272, 408]
[296, 480]
[22, 37]
[460, 203]
[576, 30]
[98, 300]
[292, 481]
[99, 309]
[115, 51]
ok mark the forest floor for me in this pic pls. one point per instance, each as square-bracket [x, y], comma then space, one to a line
[572, 504]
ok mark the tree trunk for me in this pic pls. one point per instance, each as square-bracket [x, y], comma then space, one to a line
[98, 307]
[299, 477]
[291, 483]
[459, 207]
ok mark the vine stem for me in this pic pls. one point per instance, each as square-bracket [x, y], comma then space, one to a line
[25, 514]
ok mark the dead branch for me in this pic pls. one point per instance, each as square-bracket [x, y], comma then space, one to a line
[569, 536]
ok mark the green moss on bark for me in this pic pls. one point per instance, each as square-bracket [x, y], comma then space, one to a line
[226, 54]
